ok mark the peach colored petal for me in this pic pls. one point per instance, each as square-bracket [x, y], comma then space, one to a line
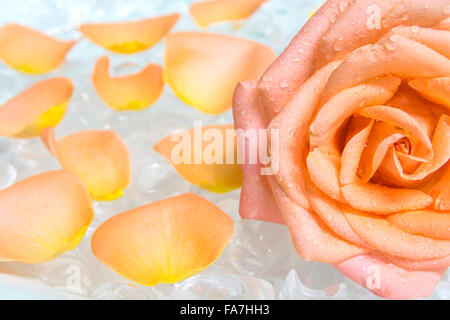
[429, 264]
[203, 69]
[441, 192]
[428, 223]
[403, 120]
[100, 158]
[389, 281]
[294, 125]
[351, 156]
[333, 114]
[331, 214]
[207, 12]
[441, 151]
[130, 37]
[163, 242]
[257, 201]
[382, 235]
[324, 165]
[435, 89]
[129, 92]
[384, 200]
[41, 106]
[382, 137]
[215, 170]
[295, 65]
[443, 25]
[43, 216]
[392, 55]
[311, 238]
[365, 21]
[31, 51]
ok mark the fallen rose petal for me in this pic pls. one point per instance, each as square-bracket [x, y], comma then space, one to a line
[130, 37]
[100, 158]
[30, 51]
[163, 242]
[207, 12]
[217, 170]
[43, 216]
[204, 68]
[38, 107]
[129, 92]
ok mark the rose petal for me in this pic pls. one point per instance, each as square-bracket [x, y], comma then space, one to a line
[436, 89]
[30, 51]
[130, 37]
[389, 281]
[331, 214]
[257, 201]
[441, 192]
[294, 66]
[351, 156]
[382, 235]
[365, 21]
[428, 223]
[403, 120]
[130, 92]
[293, 128]
[203, 69]
[207, 12]
[43, 216]
[163, 242]
[391, 55]
[206, 157]
[38, 107]
[311, 238]
[333, 114]
[384, 200]
[100, 158]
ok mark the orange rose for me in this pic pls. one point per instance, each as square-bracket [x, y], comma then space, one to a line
[360, 100]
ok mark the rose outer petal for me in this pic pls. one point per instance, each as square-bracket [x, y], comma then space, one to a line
[163, 242]
[387, 280]
[129, 92]
[43, 216]
[208, 12]
[39, 107]
[130, 37]
[31, 51]
[257, 200]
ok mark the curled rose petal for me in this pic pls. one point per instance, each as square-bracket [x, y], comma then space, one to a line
[130, 37]
[100, 158]
[429, 223]
[38, 107]
[30, 51]
[163, 242]
[204, 68]
[435, 89]
[207, 12]
[129, 92]
[43, 216]
[206, 157]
